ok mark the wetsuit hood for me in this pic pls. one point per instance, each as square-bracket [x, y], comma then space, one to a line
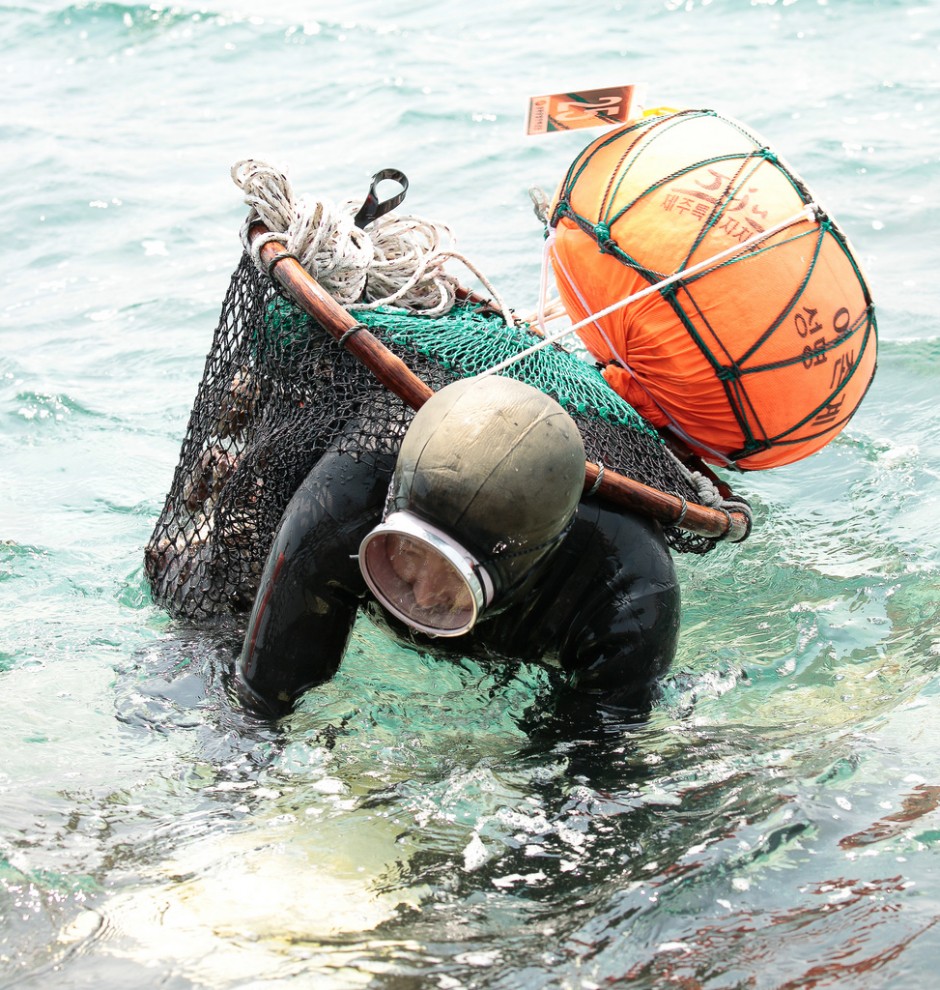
[499, 466]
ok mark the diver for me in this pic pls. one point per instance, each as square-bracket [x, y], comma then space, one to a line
[474, 538]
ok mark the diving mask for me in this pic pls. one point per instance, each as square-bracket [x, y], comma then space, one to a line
[424, 576]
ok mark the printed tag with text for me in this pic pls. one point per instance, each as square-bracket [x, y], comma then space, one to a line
[586, 108]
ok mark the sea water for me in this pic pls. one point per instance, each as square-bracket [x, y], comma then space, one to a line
[417, 822]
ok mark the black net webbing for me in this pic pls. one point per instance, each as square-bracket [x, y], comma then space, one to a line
[278, 391]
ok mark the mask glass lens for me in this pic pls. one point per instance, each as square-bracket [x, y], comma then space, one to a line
[425, 587]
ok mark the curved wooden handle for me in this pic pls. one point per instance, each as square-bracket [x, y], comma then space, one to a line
[395, 375]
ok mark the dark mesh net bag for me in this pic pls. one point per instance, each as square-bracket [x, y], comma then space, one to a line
[278, 391]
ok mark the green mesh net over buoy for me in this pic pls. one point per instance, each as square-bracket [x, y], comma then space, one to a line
[730, 307]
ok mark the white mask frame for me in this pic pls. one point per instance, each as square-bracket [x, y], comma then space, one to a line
[396, 593]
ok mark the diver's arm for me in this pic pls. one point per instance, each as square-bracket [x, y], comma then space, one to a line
[628, 625]
[311, 584]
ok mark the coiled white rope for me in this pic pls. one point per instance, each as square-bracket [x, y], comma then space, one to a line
[398, 262]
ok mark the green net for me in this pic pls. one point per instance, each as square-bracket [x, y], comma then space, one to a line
[467, 342]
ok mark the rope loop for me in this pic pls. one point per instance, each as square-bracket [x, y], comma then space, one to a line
[272, 264]
[729, 523]
[352, 331]
[595, 488]
[680, 519]
[738, 504]
[270, 238]
[399, 261]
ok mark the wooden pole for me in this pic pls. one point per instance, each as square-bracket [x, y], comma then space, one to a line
[395, 375]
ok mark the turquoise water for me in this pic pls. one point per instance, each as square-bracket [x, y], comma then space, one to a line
[416, 823]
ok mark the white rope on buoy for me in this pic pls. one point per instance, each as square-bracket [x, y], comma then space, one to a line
[810, 211]
[398, 262]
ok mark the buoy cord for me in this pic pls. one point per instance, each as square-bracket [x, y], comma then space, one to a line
[809, 212]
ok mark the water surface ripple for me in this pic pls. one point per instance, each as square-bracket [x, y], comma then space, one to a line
[416, 822]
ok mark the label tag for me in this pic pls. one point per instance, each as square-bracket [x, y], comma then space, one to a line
[585, 108]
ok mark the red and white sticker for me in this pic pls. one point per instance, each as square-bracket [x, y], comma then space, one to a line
[584, 108]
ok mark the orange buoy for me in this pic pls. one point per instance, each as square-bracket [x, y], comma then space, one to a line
[759, 341]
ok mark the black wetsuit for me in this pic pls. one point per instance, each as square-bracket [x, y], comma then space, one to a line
[605, 606]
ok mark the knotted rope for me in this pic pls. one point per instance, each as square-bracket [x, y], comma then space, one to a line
[398, 262]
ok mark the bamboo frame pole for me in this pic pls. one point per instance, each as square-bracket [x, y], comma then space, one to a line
[395, 375]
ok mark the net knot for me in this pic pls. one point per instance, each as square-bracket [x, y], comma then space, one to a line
[602, 234]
